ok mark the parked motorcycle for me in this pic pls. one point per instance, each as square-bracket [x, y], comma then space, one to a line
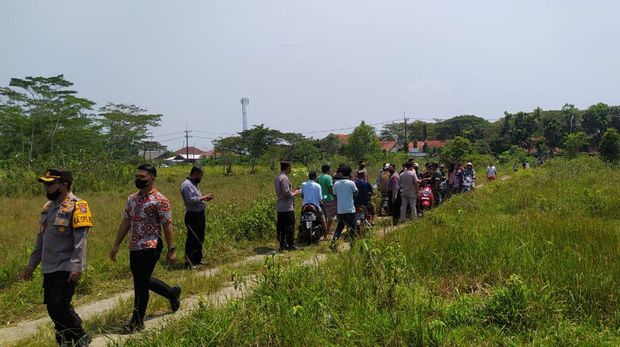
[426, 197]
[468, 183]
[310, 228]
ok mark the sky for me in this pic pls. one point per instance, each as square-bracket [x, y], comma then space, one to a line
[317, 66]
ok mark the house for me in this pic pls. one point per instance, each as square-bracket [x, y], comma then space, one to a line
[152, 155]
[189, 154]
[344, 138]
[395, 146]
[388, 146]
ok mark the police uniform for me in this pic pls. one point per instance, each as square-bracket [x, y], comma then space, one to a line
[61, 249]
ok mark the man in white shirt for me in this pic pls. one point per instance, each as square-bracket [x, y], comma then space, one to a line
[345, 189]
[491, 172]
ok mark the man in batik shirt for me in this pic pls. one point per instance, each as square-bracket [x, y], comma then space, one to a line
[147, 212]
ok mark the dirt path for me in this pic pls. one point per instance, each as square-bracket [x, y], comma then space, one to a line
[218, 298]
[28, 328]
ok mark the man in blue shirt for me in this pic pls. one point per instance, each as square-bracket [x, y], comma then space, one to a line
[195, 204]
[311, 192]
[345, 190]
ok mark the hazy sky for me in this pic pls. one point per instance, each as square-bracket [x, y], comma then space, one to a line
[309, 66]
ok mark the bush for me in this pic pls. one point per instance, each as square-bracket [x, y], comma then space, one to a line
[609, 147]
[257, 222]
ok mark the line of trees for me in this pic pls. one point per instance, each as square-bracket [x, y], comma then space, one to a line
[44, 117]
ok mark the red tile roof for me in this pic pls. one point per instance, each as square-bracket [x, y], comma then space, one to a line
[192, 150]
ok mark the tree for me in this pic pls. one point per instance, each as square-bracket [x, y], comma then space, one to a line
[126, 128]
[331, 145]
[609, 147]
[363, 142]
[455, 150]
[257, 140]
[596, 119]
[575, 143]
[466, 125]
[228, 148]
[42, 116]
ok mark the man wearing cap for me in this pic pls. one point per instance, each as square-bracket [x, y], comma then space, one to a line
[61, 250]
[147, 212]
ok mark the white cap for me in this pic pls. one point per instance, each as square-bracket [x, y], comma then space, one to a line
[387, 166]
[469, 163]
[415, 164]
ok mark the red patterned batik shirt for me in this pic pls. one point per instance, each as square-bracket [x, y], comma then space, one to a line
[147, 213]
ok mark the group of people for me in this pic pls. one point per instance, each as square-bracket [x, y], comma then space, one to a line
[65, 221]
[60, 246]
[334, 196]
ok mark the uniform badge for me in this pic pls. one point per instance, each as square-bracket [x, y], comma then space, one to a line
[82, 217]
[62, 229]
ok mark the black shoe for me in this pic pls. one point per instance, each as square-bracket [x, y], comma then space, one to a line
[84, 341]
[131, 328]
[293, 248]
[175, 303]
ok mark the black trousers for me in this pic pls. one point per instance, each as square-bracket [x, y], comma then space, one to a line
[394, 205]
[348, 219]
[57, 295]
[195, 223]
[142, 264]
[285, 229]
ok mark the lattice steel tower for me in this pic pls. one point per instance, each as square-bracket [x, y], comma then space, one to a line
[244, 112]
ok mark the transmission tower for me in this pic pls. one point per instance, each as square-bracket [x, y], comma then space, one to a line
[244, 112]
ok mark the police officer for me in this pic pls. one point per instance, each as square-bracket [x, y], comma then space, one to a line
[61, 249]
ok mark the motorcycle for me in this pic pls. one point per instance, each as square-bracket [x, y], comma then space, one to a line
[426, 197]
[361, 220]
[468, 183]
[310, 228]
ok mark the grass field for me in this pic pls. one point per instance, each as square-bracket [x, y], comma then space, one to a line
[531, 260]
[240, 219]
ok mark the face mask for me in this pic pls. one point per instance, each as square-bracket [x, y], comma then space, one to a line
[53, 196]
[141, 183]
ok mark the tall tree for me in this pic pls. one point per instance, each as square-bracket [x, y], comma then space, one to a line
[331, 145]
[257, 140]
[363, 142]
[43, 116]
[126, 128]
[596, 119]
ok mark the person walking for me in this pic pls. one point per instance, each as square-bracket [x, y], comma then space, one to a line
[147, 212]
[345, 189]
[60, 248]
[195, 205]
[409, 192]
[285, 194]
[491, 173]
[329, 204]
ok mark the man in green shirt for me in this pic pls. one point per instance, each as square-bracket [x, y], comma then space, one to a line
[329, 203]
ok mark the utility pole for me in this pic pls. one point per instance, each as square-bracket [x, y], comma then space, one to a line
[187, 145]
[244, 112]
[406, 141]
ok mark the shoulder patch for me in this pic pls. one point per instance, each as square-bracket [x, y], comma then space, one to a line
[82, 217]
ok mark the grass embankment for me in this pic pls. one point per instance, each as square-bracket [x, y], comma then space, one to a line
[240, 219]
[531, 260]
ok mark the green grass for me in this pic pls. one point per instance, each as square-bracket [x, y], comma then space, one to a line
[531, 260]
[239, 220]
